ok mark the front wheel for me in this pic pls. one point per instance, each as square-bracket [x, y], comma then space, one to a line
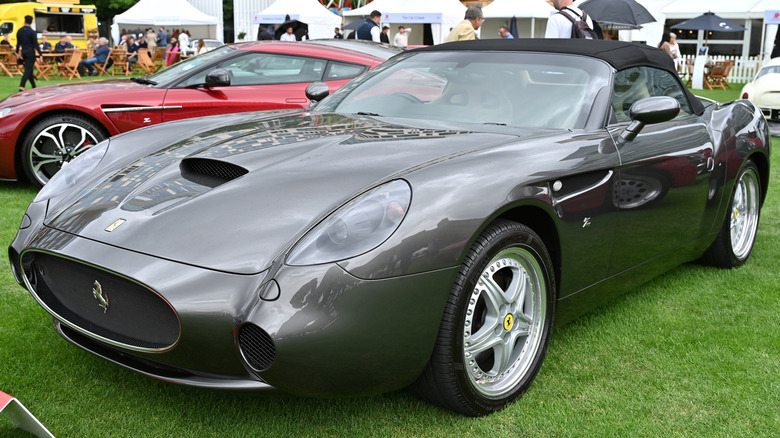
[496, 325]
[737, 235]
[53, 142]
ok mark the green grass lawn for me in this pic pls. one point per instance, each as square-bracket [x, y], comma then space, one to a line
[695, 352]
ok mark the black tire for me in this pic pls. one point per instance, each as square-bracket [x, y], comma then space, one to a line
[465, 373]
[56, 140]
[736, 237]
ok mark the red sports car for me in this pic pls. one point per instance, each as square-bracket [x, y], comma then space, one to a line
[42, 128]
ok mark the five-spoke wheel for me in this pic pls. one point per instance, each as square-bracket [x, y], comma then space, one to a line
[496, 324]
[735, 240]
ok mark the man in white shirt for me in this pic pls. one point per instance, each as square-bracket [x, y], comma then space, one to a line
[559, 26]
[401, 39]
[288, 36]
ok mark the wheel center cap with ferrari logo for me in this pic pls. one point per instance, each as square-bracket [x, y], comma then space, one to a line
[509, 321]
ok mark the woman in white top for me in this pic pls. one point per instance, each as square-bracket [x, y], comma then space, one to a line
[674, 49]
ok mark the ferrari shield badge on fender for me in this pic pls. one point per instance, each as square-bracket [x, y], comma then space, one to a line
[97, 292]
[115, 225]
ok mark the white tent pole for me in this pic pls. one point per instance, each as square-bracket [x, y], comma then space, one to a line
[533, 24]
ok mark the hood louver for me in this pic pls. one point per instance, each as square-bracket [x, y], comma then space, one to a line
[210, 173]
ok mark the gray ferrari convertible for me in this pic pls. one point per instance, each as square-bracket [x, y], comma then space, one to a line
[422, 226]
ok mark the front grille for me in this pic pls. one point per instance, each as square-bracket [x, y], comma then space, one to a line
[257, 347]
[102, 303]
[210, 173]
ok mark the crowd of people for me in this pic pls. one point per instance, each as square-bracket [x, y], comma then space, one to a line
[29, 49]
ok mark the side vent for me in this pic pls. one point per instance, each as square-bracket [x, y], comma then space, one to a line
[256, 346]
[210, 173]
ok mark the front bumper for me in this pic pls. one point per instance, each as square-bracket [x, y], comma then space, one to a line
[328, 331]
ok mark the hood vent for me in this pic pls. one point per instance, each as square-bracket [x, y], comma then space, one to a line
[210, 173]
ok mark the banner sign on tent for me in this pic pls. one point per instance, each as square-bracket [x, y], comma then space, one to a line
[167, 21]
[411, 18]
[272, 18]
[772, 17]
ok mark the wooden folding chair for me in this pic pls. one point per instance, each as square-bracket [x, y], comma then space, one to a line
[158, 57]
[119, 58]
[8, 63]
[716, 77]
[144, 63]
[70, 68]
[102, 67]
[44, 68]
[727, 72]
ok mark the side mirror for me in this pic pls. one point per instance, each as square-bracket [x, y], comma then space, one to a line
[316, 91]
[218, 78]
[648, 111]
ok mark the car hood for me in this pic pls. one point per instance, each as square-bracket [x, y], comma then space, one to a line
[275, 179]
[71, 89]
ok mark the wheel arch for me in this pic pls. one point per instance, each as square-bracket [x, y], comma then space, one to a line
[18, 169]
[542, 223]
[762, 163]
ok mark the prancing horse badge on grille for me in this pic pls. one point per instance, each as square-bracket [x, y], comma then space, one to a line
[97, 292]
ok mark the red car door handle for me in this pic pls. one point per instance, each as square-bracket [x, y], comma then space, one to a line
[296, 100]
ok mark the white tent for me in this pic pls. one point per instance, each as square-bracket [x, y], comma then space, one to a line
[442, 15]
[531, 17]
[171, 14]
[769, 11]
[321, 21]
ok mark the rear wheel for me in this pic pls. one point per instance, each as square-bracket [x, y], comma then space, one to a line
[496, 325]
[735, 240]
[54, 141]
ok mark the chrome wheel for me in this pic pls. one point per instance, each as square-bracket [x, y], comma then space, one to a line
[504, 321]
[744, 214]
[496, 324]
[56, 145]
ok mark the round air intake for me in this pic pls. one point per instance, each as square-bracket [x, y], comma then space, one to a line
[256, 346]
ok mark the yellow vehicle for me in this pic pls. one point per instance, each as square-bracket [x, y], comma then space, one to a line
[53, 18]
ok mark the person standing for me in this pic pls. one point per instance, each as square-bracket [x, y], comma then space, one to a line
[369, 30]
[163, 37]
[26, 47]
[263, 34]
[465, 30]
[184, 42]
[505, 33]
[401, 39]
[338, 34]
[384, 37]
[558, 26]
[288, 35]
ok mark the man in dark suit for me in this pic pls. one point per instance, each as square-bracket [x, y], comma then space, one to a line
[26, 47]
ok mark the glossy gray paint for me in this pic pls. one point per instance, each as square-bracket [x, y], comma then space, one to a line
[368, 323]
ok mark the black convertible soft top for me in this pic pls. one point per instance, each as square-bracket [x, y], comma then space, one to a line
[619, 54]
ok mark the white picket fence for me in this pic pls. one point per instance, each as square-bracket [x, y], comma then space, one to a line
[744, 68]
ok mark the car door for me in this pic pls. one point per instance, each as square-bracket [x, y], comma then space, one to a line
[666, 183]
[258, 81]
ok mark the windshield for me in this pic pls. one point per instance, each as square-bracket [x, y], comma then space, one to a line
[768, 70]
[505, 88]
[178, 70]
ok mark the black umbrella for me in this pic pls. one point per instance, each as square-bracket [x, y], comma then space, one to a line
[618, 13]
[513, 27]
[299, 29]
[711, 22]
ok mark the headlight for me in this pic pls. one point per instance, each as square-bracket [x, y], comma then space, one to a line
[73, 172]
[5, 111]
[356, 228]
